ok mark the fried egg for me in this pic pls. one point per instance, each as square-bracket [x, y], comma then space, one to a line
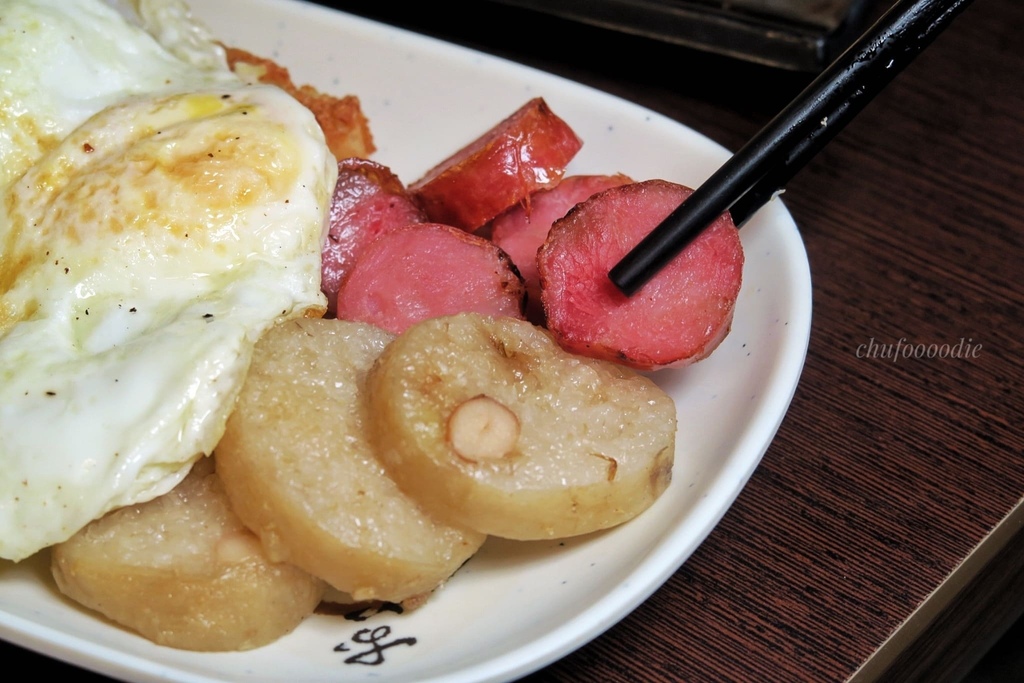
[157, 215]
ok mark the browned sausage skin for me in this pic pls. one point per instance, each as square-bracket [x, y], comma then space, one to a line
[368, 201]
[525, 152]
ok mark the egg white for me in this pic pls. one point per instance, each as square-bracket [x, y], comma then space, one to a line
[156, 216]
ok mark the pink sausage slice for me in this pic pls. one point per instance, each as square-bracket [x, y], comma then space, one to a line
[527, 151]
[428, 270]
[521, 230]
[679, 317]
[368, 201]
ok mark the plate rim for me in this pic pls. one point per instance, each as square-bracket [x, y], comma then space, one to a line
[604, 613]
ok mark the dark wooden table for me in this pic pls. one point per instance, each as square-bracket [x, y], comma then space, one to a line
[882, 537]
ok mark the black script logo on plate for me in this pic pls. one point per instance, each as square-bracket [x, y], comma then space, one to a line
[375, 639]
[372, 641]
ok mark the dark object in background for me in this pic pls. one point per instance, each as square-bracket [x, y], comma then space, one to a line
[800, 35]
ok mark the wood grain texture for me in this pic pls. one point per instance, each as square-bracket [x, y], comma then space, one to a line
[886, 475]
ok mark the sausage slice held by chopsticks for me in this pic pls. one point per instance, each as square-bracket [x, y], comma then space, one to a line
[521, 230]
[678, 318]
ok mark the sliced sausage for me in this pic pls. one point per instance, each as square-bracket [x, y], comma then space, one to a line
[427, 270]
[368, 201]
[526, 152]
[679, 317]
[521, 230]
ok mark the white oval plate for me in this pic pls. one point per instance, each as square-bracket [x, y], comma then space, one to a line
[515, 607]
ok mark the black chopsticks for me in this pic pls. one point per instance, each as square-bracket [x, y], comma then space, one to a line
[761, 168]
